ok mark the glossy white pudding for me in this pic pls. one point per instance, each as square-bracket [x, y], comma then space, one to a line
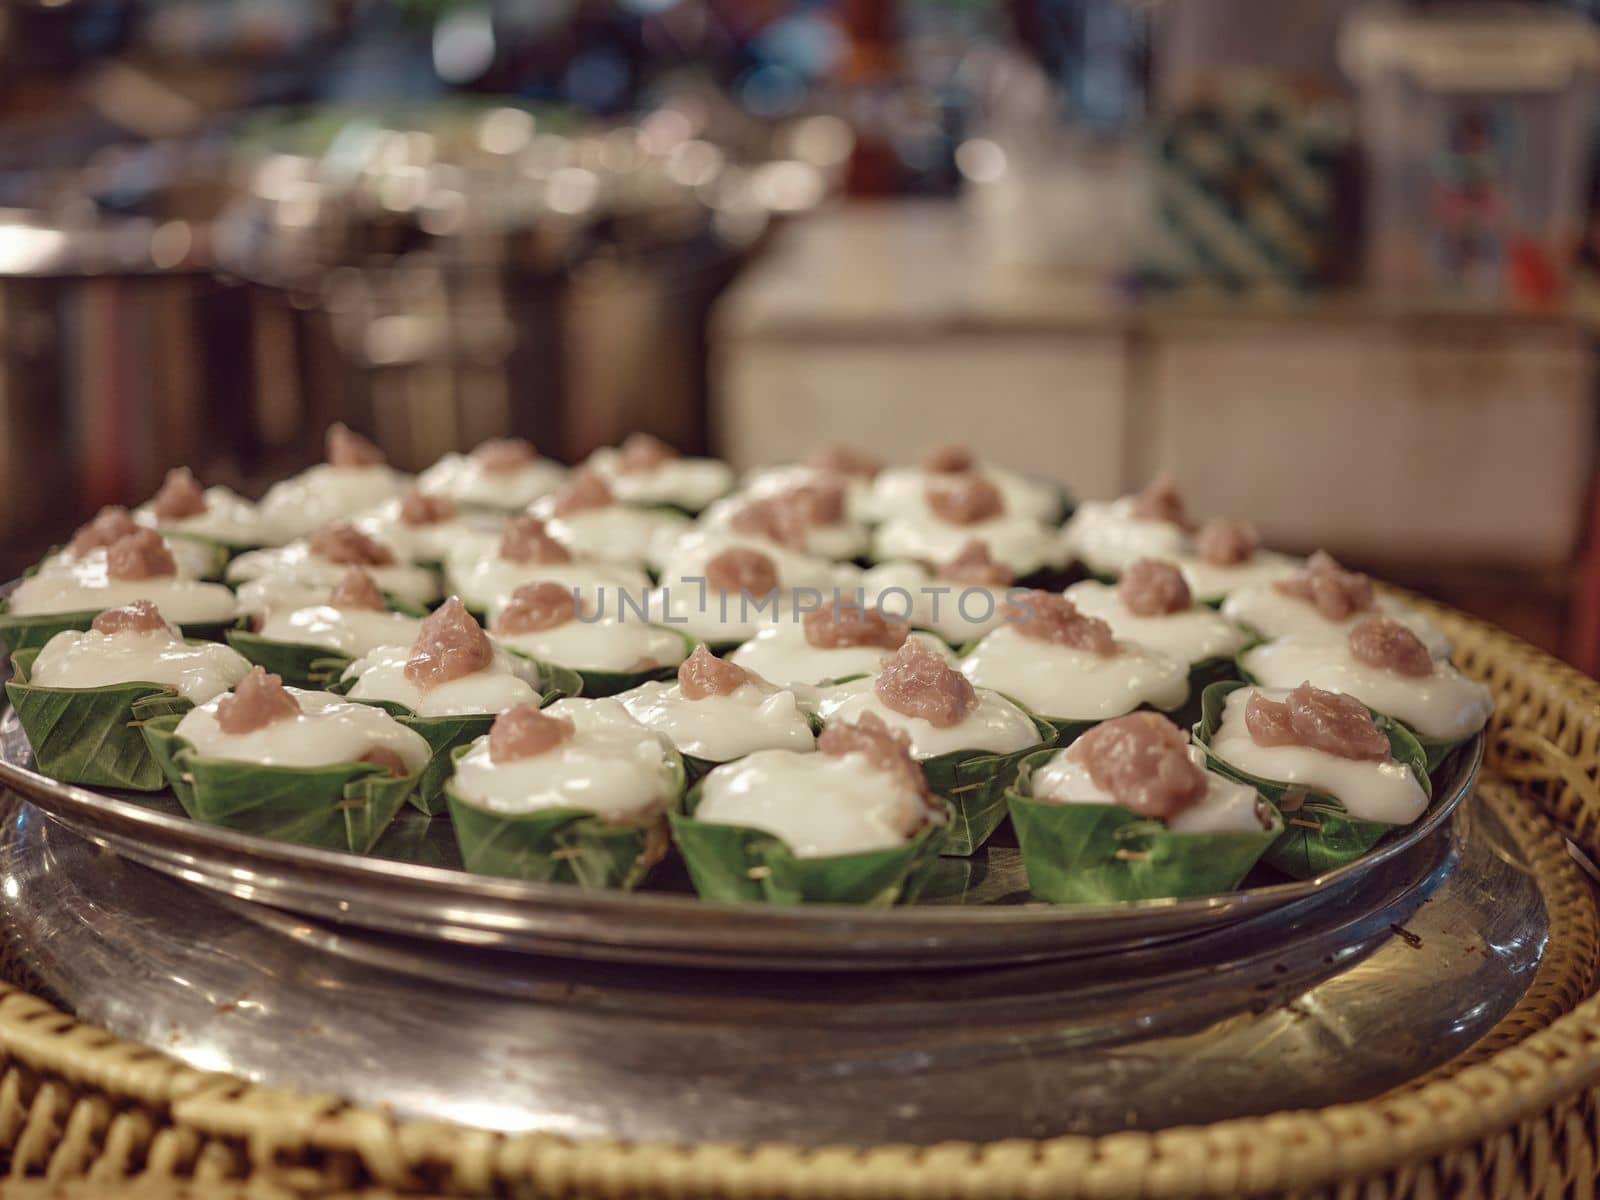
[229, 518]
[1444, 704]
[1076, 685]
[1270, 613]
[327, 730]
[1211, 583]
[780, 654]
[193, 559]
[1386, 792]
[430, 543]
[687, 483]
[1021, 543]
[351, 632]
[599, 643]
[841, 540]
[754, 716]
[185, 601]
[995, 724]
[197, 672]
[504, 683]
[617, 533]
[485, 581]
[295, 563]
[610, 766]
[761, 482]
[462, 478]
[1107, 538]
[297, 506]
[901, 493]
[1190, 636]
[1226, 807]
[958, 612]
[819, 805]
[689, 555]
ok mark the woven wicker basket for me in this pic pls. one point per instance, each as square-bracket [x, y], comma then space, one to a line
[1519, 1114]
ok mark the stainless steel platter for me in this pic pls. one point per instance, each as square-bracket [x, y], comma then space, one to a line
[1310, 1004]
[977, 911]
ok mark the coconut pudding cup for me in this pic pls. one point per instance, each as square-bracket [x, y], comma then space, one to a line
[486, 571]
[1342, 775]
[961, 508]
[82, 697]
[216, 517]
[715, 711]
[852, 823]
[1107, 536]
[297, 766]
[1225, 556]
[1129, 812]
[354, 478]
[1152, 607]
[608, 647]
[139, 565]
[592, 521]
[311, 646]
[968, 741]
[1387, 667]
[832, 643]
[577, 793]
[1069, 667]
[84, 556]
[499, 475]
[321, 560]
[903, 491]
[448, 686]
[646, 472]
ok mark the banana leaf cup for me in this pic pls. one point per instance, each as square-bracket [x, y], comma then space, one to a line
[1435, 750]
[974, 782]
[445, 734]
[561, 845]
[1102, 853]
[1319, 832]
[343, 806]
[91, 736]
[739, 864]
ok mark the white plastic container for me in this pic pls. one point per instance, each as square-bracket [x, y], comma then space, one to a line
[1477, 123]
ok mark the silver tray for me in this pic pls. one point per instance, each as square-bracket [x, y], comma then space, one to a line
[977, 912]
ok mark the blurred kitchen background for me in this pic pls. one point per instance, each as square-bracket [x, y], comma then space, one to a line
[1335, 264]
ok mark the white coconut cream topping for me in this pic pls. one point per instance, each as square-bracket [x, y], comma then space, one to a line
[1188, 637]
[465, 479]
[1212, 583]
[1272, 614]
[380, 674]
[688, 483]
[1021, 543]
[1076, 685]
[1226, 806]
[327, 730]
[994, 723]
[351, 632]
[781, 655]
[1106, 537]
[297, 564]
[756, 716]
[91, 659]
[901, 493]
[228, 518]
[186, 601]
[323, 493]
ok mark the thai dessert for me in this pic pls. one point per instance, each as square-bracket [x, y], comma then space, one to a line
[1130, 812]
[424, 528]
[502, 474]
[486, 575]
[612, 651]
[1106, 536]
[838, 640]
[960, 599]
[84, 555]
[1226, 555]
[808, 518]
[909, 493]
[962, 507]
[322, 560]
[725, 600]
[1151, 606]
[311, 645]
[836, 465]
[588, 517]
[356, 477]
[647, 472]
[184, 508]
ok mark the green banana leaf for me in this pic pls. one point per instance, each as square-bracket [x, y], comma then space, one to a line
[1202, 675]
[444, 734]
[91, 736]
[1100, 853]
[735, 863]
[595, 684]
[1435, 750]
[1319, 833]
[974, 783]
[300, 665]
[345, 806]
[561, 845]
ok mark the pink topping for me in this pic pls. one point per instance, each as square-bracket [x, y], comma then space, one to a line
[139, 617]
[1318, 720]
[1384, 643]
[703, 674]
[841, 625]
[259, 700]
[770, 519]
[1152, 588]
[501, 456]
[741, 569]
[110, 524]
[975, 565]
[357, 590]
[1142, 761]
[1334, 592]
[965, 499]
[419, 508]
[524, 539]
[1051, 617]
[1225, 543]
[180, 496]
[347, 448]
[887, 750]
[842, 460]
[818, 503]
[535, 607]
[450, 645]
[140, 555]
[525, 732]
[642, 452]
[918, 683]
[342, 543]
[583, 491]
[948, 460]
[1161, 501]
[382, 756]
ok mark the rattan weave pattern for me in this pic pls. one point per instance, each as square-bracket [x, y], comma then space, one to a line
[1519, 1114]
